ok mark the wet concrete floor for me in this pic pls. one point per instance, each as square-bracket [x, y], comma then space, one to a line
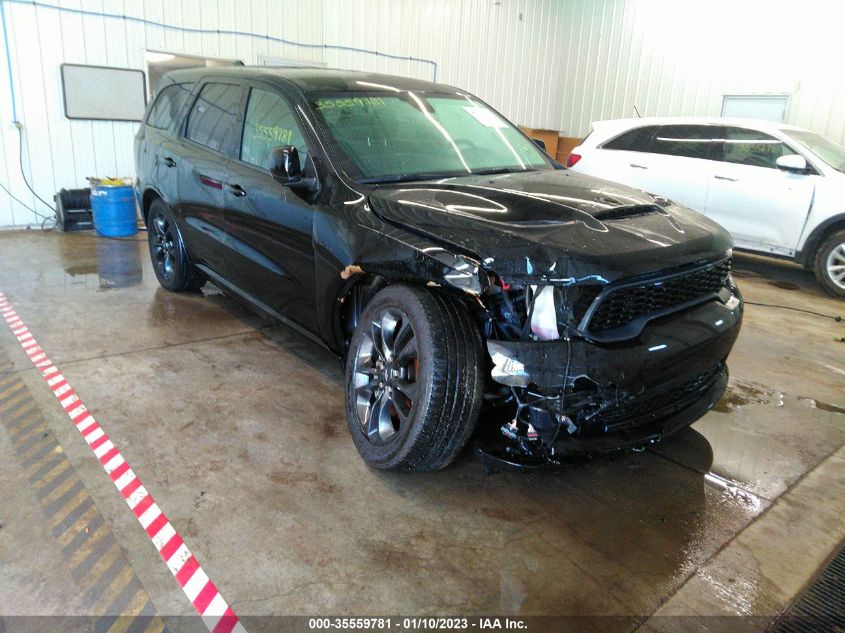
[236, 425]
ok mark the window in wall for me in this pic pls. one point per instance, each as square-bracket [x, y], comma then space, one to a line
[269, 123]
[637, 140]
[212, 119]
[750, 147]
[690, 141]
[168, 105]
[767, 107]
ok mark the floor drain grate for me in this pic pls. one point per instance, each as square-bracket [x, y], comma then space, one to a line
[821, 608]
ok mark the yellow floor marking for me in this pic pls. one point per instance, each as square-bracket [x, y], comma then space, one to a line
[93, 541]
[12, 402]
[108, 558]
[28, 435]
[68, 508]
[47, 478]
[38, 447]
[54, 495]
[84, 519]
[118, 584]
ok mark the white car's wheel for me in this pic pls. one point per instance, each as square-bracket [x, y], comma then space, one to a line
[830, 264]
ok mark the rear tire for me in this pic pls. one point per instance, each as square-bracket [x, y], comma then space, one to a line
[830, 264]
[414, 380]
[171, 264]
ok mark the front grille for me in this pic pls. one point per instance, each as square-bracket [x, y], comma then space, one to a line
[644, 410]
[619, 307]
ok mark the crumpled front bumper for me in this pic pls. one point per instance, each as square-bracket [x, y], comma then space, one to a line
[669, 349]
[496, 453]
[619, 395]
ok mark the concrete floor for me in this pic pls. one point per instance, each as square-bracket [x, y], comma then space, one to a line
[236, 426]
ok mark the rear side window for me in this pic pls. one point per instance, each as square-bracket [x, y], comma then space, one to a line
[636, 140]
[168, 105]
[269, 123]
[690, 141]
[750, 147]
[213, 117]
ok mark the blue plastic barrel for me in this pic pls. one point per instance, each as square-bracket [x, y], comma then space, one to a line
[114, 210]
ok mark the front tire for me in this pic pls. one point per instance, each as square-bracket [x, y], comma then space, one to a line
[414, 380]
[830, 264]
[171, 264]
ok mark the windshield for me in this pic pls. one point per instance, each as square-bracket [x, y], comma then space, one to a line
[400, 136]
[830, 152]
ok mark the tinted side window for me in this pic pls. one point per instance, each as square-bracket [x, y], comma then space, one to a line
[167, 105]
[269, 123]
[213, 116]
[750, 147]
[691, 141]
[637, 140]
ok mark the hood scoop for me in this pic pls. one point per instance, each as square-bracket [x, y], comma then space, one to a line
[632, 211]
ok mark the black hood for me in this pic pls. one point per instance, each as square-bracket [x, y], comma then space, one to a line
[554, 225]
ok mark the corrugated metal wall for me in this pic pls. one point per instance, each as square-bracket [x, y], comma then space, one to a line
[556, 64]
[505, 51]
[502, 50]
[677, 57]
[61, 153]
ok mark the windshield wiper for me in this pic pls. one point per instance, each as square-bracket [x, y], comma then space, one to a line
[500, 170]
[378, 180]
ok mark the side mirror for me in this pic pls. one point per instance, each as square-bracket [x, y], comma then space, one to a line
[539, 143]
[284, 165]
[285, 169]
[792, 163]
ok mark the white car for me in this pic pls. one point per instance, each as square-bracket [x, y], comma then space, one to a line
[778, 189]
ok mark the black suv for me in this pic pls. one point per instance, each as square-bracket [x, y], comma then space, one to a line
[460, 272]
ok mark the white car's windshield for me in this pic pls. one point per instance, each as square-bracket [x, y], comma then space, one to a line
[410, 136]
[830, 152]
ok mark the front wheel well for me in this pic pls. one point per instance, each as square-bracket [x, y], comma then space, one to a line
[150, 195]
[359, 291]
[351, 301]
[807, 256]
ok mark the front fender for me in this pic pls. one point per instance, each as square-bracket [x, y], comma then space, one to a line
[369, 248]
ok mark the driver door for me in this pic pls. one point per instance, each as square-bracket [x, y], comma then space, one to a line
[270, 226]
[763, 207]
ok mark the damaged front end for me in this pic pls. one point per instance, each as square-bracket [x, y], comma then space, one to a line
[581, 367]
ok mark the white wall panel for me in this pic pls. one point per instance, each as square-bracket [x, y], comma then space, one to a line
[671, 57]
[505, 52]
[61, 153]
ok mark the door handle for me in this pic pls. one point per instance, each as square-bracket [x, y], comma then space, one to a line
[638, 166]
[725, 178]
[236, 190]
[169, 162]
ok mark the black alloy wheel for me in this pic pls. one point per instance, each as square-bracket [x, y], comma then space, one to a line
[163, 245]
[169, 256]
[414, 379]
[385, 376]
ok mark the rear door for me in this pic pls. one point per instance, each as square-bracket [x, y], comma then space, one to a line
[621, 159]
[763, 207]
[208, 142]
[680, 164]
[269, 226]
[160, 143]
[671, 160]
